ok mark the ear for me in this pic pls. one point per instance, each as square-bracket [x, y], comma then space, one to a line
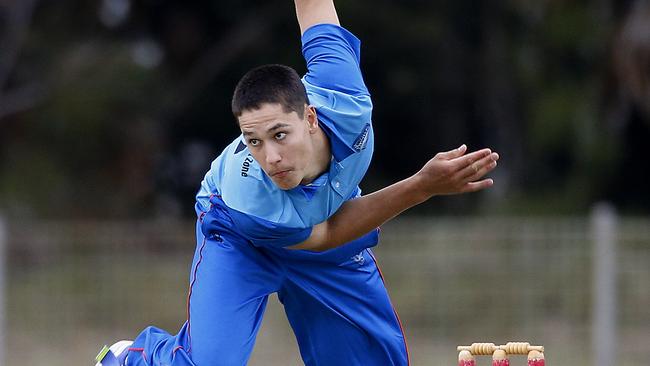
[312, 118]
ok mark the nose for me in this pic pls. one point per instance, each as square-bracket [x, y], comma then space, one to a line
[272, 156]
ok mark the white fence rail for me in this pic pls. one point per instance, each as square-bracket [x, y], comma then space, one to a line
[3, 277]
[605, 297]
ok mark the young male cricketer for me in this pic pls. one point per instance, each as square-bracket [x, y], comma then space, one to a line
[280, 211]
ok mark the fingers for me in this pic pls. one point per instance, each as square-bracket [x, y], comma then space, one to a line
[457, 171]
[466, 160]
[479, 168]
[477, 186]
[452, 154]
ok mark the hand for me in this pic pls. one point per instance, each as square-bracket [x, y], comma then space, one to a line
[453, 172]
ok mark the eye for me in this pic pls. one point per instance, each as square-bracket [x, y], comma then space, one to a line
[280, 135]
[253, 142]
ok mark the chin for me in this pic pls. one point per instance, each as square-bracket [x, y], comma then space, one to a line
[285, 186]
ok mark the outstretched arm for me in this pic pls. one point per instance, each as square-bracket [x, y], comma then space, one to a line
[449, 172]
[312, 12]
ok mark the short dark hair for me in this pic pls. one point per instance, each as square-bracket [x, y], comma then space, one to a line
[270, 84]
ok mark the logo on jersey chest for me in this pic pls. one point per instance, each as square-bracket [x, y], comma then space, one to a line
[359, 259]
[246, 165]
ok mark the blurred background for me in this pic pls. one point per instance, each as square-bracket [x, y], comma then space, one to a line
[112, 110]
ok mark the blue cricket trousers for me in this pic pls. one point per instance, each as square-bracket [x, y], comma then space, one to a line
[338, 308]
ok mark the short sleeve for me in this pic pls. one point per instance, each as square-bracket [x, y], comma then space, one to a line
[332, 54]
[336, 89]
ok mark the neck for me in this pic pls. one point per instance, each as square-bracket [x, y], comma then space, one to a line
[322, 156]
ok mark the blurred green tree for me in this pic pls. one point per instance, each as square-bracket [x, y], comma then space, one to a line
[115, 108]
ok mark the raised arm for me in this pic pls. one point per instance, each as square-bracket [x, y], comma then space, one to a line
[450, 172]
[312, 12]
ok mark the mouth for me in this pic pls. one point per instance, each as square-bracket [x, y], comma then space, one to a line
[280, 173]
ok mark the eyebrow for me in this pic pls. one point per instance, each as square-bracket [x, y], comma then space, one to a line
[276, 126]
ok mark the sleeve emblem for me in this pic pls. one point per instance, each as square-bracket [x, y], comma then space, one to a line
[362, 139]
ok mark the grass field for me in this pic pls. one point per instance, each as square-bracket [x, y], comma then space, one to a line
[72, 289]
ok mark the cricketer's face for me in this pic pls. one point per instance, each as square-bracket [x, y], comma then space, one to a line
[281, 143]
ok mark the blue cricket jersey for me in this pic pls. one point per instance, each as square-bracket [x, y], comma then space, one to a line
[237, 196]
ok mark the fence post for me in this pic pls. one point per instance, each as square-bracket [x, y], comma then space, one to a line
[3, 297]
[604, 227]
